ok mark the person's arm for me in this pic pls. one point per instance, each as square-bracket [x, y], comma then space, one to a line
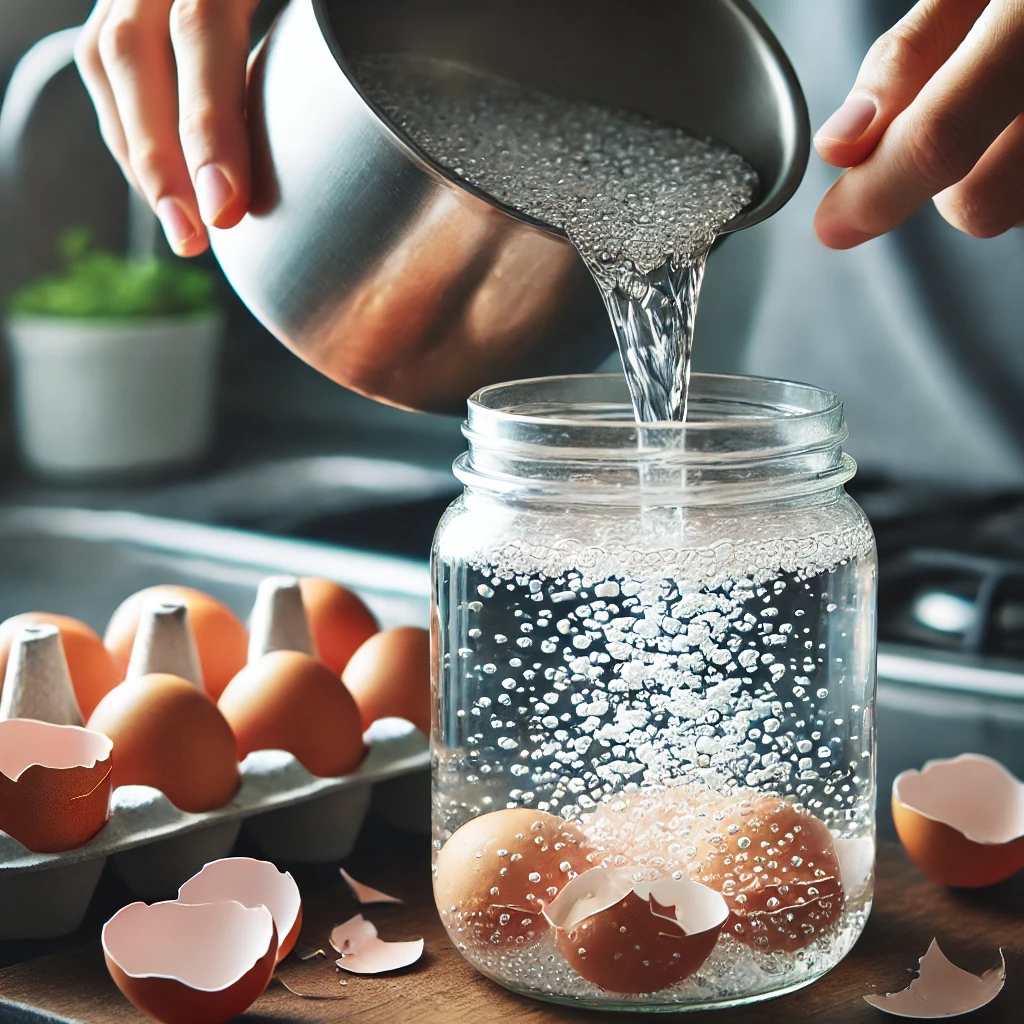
[167, 78]
[935, 113]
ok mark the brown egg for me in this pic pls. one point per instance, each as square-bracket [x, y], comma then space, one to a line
[494, 875]
[961, 820]
[338, 619]
[390, 675]
[631, 949]
[221, 638]
[290, 701]
[168, 734]
[191, 963]
[93, 672]
[776, 867]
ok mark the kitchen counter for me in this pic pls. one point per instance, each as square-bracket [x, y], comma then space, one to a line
[73, 985]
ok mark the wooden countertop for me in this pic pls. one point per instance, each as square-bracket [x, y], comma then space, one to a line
[73, 985]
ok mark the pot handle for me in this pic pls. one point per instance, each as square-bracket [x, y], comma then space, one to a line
[39, 65]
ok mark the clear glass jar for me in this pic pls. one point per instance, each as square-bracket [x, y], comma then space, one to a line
[655, 658]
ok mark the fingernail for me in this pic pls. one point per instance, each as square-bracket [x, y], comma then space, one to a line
[177, 224]
[850, 121]
[213, 190]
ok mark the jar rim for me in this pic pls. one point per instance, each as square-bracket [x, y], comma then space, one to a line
[493, 400]
[748, 439]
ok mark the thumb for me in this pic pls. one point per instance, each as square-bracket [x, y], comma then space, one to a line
[896, 68]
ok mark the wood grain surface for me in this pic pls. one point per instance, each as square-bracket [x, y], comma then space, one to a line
[72, 984]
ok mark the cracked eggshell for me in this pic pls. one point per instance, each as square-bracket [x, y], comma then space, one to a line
[253, 883]
[366, 893]
[961, 820]
[290, 701]
[942, 989]
[221, 639]
[169, 735]
[55, 784]
[92, 669]
[635, 937]
[184, 963]
[777, 867]
[362, 952]
[494, 875]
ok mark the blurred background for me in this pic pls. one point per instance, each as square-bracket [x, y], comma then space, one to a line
[920, 332]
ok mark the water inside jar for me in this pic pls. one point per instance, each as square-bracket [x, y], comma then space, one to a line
[648, 697]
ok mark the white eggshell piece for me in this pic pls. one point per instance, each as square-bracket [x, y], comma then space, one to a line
[362, 952]
[206, 946]
[252, 883]
[278, 621]
[164, 642]
[942, 989]
[856, 863]
[587, 894]
[364, 893]
[971, 793]
[37, 683]
[697, 908]
[25, 742]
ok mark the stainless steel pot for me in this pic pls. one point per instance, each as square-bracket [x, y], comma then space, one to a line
[395, 278]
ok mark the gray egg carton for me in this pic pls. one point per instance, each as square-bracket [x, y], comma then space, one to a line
[82, 563]
[293, 816]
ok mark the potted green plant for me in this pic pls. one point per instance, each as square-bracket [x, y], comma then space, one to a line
[115, 363]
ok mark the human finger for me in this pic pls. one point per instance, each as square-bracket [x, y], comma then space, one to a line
[135, 47]
[896, 68]
[939, 138]
[990, 200]
[90, 67]
[211, 47]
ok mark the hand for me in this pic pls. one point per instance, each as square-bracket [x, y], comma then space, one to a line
[167, 78]
[935, 113]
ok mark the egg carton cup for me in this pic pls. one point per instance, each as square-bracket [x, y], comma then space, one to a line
[293, 816]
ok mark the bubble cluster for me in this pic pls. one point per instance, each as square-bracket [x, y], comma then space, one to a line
[642, 202]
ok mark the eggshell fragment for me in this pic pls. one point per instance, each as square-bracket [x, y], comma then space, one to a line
[942, 989]
[365, 893]
[856, 855]
[165, 643]
[632, 936]
[290, 701]
[777, 868]
[494, 875]
[221, 639]
[389, 676]
[338, 619]
[253, 883]
[169, 735]
[93, 672]
[55, 784]
[961, 820]
[184, 963]
[278, 621]
[38, 684]
[362, 952]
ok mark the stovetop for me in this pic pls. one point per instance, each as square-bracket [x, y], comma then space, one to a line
[951, 570]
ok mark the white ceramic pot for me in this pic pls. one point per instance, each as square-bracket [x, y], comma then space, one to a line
[113, 397]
